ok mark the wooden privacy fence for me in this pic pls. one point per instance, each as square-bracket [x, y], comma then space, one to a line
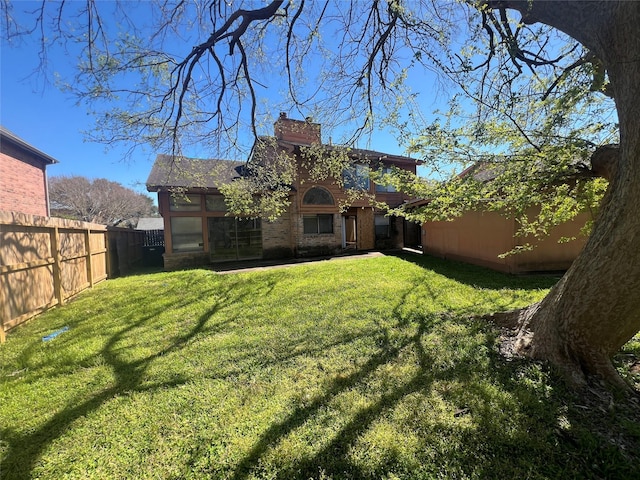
[45, 261]
[124, 250]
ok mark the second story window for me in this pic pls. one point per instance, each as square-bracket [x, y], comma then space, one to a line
[356, 177]
[385, 188]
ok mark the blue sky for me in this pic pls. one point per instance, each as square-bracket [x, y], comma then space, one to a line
[34, 109]
[38, 112]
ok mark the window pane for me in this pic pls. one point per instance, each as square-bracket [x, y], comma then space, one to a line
[310, 224]
[184, 203]
[234, 239]
[317, 224]
[381, 220]
[186, 234]
[215, 203]
[382, 226]
[356, 177]
[385, 188]
[317, 196]
[248, 237]
[325, 223]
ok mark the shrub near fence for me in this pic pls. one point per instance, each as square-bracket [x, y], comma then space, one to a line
[45, 261]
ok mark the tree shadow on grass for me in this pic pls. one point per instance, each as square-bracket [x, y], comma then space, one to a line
[476, 276]
[506, 432]
[304, 412]
[509, 420]
[24, 449]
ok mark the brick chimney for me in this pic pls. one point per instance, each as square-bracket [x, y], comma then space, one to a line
[303, 132]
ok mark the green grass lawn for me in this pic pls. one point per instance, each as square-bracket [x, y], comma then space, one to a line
[331, 370]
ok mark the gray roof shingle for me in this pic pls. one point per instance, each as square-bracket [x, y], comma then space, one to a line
[180, 172]
[150, 223]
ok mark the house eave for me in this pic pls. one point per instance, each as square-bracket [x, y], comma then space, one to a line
[12, 139]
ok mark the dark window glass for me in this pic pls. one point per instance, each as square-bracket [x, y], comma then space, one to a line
[317, 196]
[314, 224]
[310, 224]
[234, 238]
[356, 177]
[325, 223]
[382, 224]
[215, 203]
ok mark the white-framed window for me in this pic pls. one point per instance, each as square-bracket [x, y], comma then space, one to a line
[317, 224]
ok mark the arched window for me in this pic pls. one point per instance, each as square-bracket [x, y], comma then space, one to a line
[317, 196]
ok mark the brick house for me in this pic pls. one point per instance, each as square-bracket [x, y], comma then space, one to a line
[198, 231]
[23, 176]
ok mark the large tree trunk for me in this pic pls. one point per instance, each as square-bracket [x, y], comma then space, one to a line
[595, 308]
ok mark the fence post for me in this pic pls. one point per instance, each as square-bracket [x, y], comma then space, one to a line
[57, 266]
[87, 240]
[108, 255]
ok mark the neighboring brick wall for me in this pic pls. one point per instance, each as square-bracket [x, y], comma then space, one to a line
[22, 186]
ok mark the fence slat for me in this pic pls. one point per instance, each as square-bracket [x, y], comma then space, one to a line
[57, 266]
[16, 267]
[87, 243]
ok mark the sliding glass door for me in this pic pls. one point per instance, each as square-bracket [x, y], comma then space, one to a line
[234, 238]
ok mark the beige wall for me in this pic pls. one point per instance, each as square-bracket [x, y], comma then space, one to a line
[480, 237]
